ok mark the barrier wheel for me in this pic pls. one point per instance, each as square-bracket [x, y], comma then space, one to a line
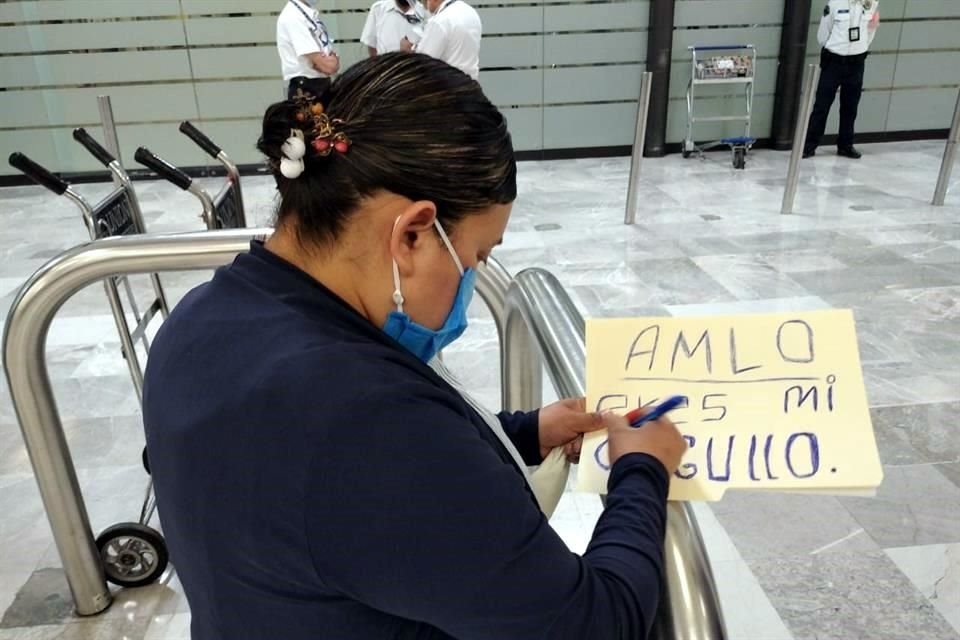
[146, 461]
[132, 554]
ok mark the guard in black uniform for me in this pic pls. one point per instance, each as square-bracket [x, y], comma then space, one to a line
[846, 31]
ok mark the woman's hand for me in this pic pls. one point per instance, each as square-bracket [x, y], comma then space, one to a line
[659, 438]
[563, 423]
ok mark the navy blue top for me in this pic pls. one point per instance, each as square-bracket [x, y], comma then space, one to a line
[315, 480]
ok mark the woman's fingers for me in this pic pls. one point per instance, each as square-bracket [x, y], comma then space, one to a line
[572, 449]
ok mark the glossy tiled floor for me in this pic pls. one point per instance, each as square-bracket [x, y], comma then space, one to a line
[707, 240]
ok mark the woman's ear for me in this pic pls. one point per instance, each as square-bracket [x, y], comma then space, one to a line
[410, 230]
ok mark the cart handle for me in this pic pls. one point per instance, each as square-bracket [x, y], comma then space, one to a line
[37, 173]
[162, 168]
[205, 143]
[717, 47]
[95, 148]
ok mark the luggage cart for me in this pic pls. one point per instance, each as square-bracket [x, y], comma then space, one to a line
[722, 65]
[133, 554]
[235, 217]
[223, 211]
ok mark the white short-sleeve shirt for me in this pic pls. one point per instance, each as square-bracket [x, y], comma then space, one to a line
[300, 32]
[843, 18]
[453, 35]
[387, 25]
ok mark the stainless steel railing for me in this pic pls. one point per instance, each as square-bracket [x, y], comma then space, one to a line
[24, 346]
[538, 304]
[519, 365]
[533, 310]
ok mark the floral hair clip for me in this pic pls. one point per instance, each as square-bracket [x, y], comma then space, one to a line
[324, 137]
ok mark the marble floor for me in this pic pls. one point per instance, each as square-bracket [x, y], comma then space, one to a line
[707, 240]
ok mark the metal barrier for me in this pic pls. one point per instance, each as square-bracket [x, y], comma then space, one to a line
[639, 141]
[689, 607]
[24, 346]
[533, 308]
[949, 156]
[810, 81]
[521, 371]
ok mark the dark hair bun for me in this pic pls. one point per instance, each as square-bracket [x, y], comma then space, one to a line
[418, 127]
[277, 123]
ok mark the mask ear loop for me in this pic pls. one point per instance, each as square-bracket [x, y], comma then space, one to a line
[446, 241]
[397, 296]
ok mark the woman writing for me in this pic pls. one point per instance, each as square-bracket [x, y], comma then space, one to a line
[316, 478]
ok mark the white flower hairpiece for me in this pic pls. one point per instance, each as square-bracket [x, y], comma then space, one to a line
[293, 150]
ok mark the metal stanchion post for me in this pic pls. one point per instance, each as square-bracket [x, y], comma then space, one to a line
[109, 132]
[810, 81]
[949, 156]
[639, 140]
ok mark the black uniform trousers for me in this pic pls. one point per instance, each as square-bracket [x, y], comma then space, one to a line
[836, 72]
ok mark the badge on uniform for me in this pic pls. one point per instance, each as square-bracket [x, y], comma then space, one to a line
[854, 34]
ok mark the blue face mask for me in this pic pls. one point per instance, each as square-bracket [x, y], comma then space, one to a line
[419, 340]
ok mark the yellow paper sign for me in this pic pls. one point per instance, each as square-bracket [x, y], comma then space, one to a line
[774, 401]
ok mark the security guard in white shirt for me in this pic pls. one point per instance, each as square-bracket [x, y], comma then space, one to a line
[846, 31]
[452, 35]
[389, 22]
[307, 58]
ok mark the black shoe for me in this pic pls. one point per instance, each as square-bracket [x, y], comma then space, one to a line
[810, 153]
[849, 152]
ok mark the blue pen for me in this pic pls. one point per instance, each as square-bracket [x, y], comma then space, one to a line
[662, 409]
